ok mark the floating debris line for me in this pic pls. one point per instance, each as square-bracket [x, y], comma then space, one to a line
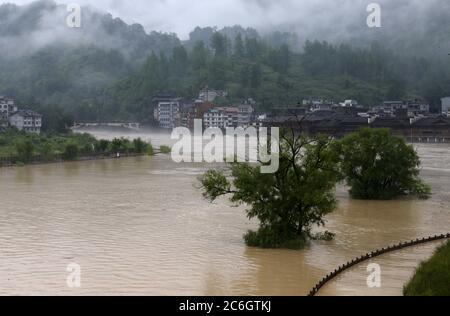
[372, 255]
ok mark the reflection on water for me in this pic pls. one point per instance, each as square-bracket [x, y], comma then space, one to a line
[140, 226]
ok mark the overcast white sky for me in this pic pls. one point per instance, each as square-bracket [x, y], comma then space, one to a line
[304, 16]
[182, 16]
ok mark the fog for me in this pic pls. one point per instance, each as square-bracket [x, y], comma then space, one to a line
[327, 19]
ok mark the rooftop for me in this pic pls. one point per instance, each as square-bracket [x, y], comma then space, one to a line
[27, 113]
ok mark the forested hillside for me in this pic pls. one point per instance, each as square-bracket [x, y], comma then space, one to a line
[109, 70]
[44, 61]
[278, 76]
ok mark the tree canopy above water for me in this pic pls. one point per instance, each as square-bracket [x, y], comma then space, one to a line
[380, 166]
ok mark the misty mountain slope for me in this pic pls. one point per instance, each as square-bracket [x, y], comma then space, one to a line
[277, 76]
[27, 29]
[109, 70]
[42, 60]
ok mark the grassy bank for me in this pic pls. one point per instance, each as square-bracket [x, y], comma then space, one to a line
[432, 278]
[22, 148]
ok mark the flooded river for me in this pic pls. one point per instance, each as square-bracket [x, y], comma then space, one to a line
[139, 226]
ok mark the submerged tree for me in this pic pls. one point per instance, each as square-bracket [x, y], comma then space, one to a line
[380, 166]
[289, 202]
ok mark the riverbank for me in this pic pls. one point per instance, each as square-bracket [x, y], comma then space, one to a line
[6, 164]
[19, 148]
[432, 278]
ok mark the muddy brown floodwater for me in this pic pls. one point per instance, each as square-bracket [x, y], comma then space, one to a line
[139, 226]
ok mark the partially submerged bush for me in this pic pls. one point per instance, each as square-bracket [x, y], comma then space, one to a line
[380, 166]
[165, 150]
[268, 237]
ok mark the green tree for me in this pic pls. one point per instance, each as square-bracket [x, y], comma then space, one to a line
[120, 145]
[71, 151]
[239, 48]
[219, 44]
[179, 60]
[102, 145]
[289, 202]
[139, 145]
[218, 73]
[55, 119]
[255, 76]
[396, 90]
[165, 149]
[380, 166]
[199, 56]
[25, 150]
[47, 152]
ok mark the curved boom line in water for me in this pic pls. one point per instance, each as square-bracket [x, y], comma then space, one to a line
[372, 255]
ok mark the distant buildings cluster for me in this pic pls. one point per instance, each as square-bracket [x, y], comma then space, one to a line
[24, 120]
[173, 112]
[411, 119]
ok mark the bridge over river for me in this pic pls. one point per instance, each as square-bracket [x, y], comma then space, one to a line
[128, 125]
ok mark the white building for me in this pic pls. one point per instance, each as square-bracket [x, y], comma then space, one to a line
[7, 107]
[222, 117]
[25, 120]
[349, 103]
[321, 105]
[169, 113]
[214, 118]
[209, 95]
[446, 106]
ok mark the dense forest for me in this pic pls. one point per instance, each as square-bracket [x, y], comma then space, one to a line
[109, 70]
[277, 76]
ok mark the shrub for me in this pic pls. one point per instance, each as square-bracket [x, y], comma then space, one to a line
[102, 145]
[25, 150]
[270, 237]
[150, 150]
[165, 150]
[71, 151]
[47, 152]
[139, 145]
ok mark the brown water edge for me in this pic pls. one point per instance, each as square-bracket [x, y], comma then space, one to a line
[139, 226]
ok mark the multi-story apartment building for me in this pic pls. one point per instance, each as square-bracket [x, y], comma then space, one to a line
[223, 117]
[26, 120]
[231, 116]
[168, 113]
[7, 107]
[214, 118]
[416, 108]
